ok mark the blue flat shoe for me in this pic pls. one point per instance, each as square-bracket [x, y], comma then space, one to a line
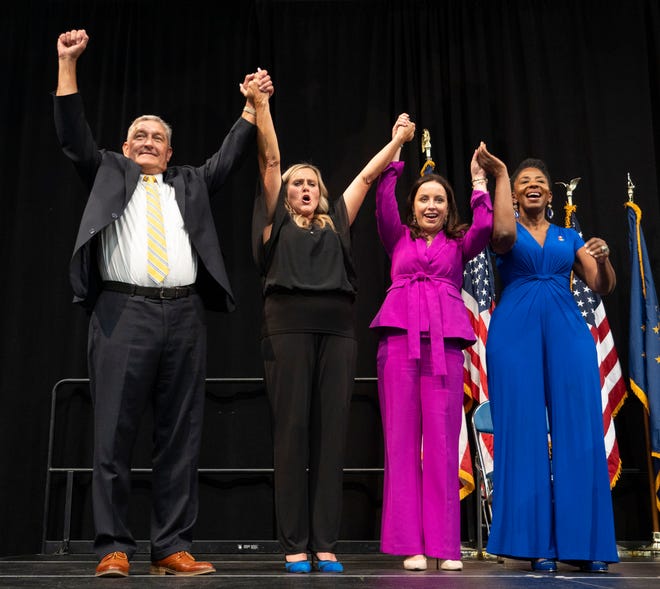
[330, 566]
[593, 566]
[301, 566]
[544, 565]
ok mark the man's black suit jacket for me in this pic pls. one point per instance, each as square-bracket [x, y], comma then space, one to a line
[111, 179]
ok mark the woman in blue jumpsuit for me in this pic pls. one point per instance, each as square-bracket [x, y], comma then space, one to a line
[551, 497]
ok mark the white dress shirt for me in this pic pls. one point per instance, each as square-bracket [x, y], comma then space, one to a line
[123, 253]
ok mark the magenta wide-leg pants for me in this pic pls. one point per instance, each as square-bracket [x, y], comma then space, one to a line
[421, 503]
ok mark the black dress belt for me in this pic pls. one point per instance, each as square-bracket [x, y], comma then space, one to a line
[151, 292]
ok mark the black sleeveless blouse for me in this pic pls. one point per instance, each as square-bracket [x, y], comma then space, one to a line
[309, 283]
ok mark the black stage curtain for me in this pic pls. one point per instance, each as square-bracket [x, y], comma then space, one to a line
[576, 83]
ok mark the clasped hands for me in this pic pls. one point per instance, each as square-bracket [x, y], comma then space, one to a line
[259, 80]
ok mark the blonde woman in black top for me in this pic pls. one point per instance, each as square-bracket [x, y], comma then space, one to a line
[302, 246]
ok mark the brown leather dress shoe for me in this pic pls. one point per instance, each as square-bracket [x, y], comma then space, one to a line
[114, 564]
[180, 563]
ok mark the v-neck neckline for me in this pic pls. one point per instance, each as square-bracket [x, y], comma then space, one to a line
[547, 231]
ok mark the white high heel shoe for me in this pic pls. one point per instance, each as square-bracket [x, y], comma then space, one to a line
[451, 565]
[415, 563]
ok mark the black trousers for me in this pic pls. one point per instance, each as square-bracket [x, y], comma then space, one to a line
[309, 378]
[146, 353]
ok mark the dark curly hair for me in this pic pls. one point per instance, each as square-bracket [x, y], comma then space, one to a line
[531, 162]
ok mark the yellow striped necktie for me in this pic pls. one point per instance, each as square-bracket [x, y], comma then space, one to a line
[157, 266]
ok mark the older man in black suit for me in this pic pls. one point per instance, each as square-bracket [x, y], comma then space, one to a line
[146, 264]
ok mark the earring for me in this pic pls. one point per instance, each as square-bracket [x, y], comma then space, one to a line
[516, 214]
[549, 213]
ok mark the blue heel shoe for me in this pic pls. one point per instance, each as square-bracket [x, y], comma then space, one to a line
[329, 566]
[593, 566]
[301, 566]
[544, 565]
[589, 566]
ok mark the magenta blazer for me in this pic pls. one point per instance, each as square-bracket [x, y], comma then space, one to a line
[425, 295]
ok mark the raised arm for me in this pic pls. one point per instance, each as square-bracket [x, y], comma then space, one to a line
[403, 120]
[404, 131]
[504, 220]
[257, 90]
[388, 219]
[478, 234]
[70, 46]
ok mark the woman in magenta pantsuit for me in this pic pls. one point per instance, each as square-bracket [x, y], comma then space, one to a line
[423, 327]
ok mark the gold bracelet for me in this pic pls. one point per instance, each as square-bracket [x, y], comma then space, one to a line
[250, 110]
[479, 179]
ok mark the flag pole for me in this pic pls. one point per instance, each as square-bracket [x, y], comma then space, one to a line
[569, 207]
[655, 542]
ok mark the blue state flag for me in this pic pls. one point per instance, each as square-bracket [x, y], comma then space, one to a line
[644, 360]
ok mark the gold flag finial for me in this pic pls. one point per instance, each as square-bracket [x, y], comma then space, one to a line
[429, 164]
[426, 143]
[570, 187]
[631, 189]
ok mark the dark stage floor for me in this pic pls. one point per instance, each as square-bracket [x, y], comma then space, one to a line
[369, 571]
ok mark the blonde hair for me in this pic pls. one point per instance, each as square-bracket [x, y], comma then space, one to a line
[321, 217]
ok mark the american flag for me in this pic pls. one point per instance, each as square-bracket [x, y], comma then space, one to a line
[478, 294]
[612, 384]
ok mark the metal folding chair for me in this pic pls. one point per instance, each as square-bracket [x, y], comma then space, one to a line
[482, 431]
